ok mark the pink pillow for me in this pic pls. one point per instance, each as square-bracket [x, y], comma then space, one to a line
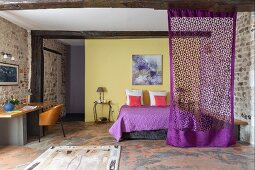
[134, 100]
[160, 100]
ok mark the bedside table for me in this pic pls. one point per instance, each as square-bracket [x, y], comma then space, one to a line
[95, 110]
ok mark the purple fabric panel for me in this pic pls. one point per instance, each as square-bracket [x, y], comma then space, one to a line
[198, 13]
[140, 118]
[233, 67]
[201, 112]
[191, 33]
[212, 138]
[171, 71]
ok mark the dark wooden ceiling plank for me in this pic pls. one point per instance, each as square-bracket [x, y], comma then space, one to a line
[98, 34]
[214, 5]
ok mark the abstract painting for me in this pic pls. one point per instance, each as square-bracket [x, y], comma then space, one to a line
[146, 69]
[9, 74]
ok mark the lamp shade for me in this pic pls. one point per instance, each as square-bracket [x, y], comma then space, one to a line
[100, 89]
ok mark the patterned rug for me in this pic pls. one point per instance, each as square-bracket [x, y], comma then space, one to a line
[78, 157]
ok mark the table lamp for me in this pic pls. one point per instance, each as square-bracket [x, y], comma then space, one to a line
[100, 90]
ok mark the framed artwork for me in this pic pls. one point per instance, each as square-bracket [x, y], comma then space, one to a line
[147, 70]
[9, 74]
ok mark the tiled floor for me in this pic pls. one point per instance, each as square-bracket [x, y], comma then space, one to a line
[136, 154]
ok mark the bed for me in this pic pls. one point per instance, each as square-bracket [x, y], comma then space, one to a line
[145, 120]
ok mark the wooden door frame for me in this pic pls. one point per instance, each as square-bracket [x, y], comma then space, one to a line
[37, 62]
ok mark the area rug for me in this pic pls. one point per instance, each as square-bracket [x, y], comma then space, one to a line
[77, 158]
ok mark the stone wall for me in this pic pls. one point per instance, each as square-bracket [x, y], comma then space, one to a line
[244, 73]
[14, 40]
[55, 71]
[17, 41]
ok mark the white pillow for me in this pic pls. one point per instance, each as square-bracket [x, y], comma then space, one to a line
[134, 93]
[156, 93]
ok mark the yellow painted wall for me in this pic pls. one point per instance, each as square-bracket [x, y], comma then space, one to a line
[108, 63]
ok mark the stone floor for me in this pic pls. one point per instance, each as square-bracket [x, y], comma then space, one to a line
[135, 154]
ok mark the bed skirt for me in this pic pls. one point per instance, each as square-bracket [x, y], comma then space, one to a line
[146, 134]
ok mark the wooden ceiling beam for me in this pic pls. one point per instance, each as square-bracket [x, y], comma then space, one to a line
[213, 5]
[99, 34]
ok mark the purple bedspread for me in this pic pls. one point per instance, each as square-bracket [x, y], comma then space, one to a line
[140, 118]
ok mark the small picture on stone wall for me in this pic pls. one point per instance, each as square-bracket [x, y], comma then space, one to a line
[147, 69]
[9, 74]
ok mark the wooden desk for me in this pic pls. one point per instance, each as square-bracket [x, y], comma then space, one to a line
[19, 111]
[16, 113]
[13, 125]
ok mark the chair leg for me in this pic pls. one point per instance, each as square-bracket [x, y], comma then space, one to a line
[62, 127]
[43, 129]
[39, 133]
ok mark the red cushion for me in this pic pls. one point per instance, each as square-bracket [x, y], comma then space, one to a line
[160, 100]
[134, 100]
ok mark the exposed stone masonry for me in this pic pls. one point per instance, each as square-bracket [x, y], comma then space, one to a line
[244, 73]
[55, 71]
[17, 41]
[14, 40]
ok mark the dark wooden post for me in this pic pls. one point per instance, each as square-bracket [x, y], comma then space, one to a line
[37, 77]
[37, 69]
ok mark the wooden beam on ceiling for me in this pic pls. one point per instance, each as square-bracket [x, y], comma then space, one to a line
[212, 5]
[99, 34]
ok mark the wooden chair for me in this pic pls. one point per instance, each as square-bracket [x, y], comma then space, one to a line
[51, 117]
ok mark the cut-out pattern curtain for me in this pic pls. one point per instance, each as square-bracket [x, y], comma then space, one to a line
[202, 46]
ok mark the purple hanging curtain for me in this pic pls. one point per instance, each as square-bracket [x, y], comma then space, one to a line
[202, 53]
